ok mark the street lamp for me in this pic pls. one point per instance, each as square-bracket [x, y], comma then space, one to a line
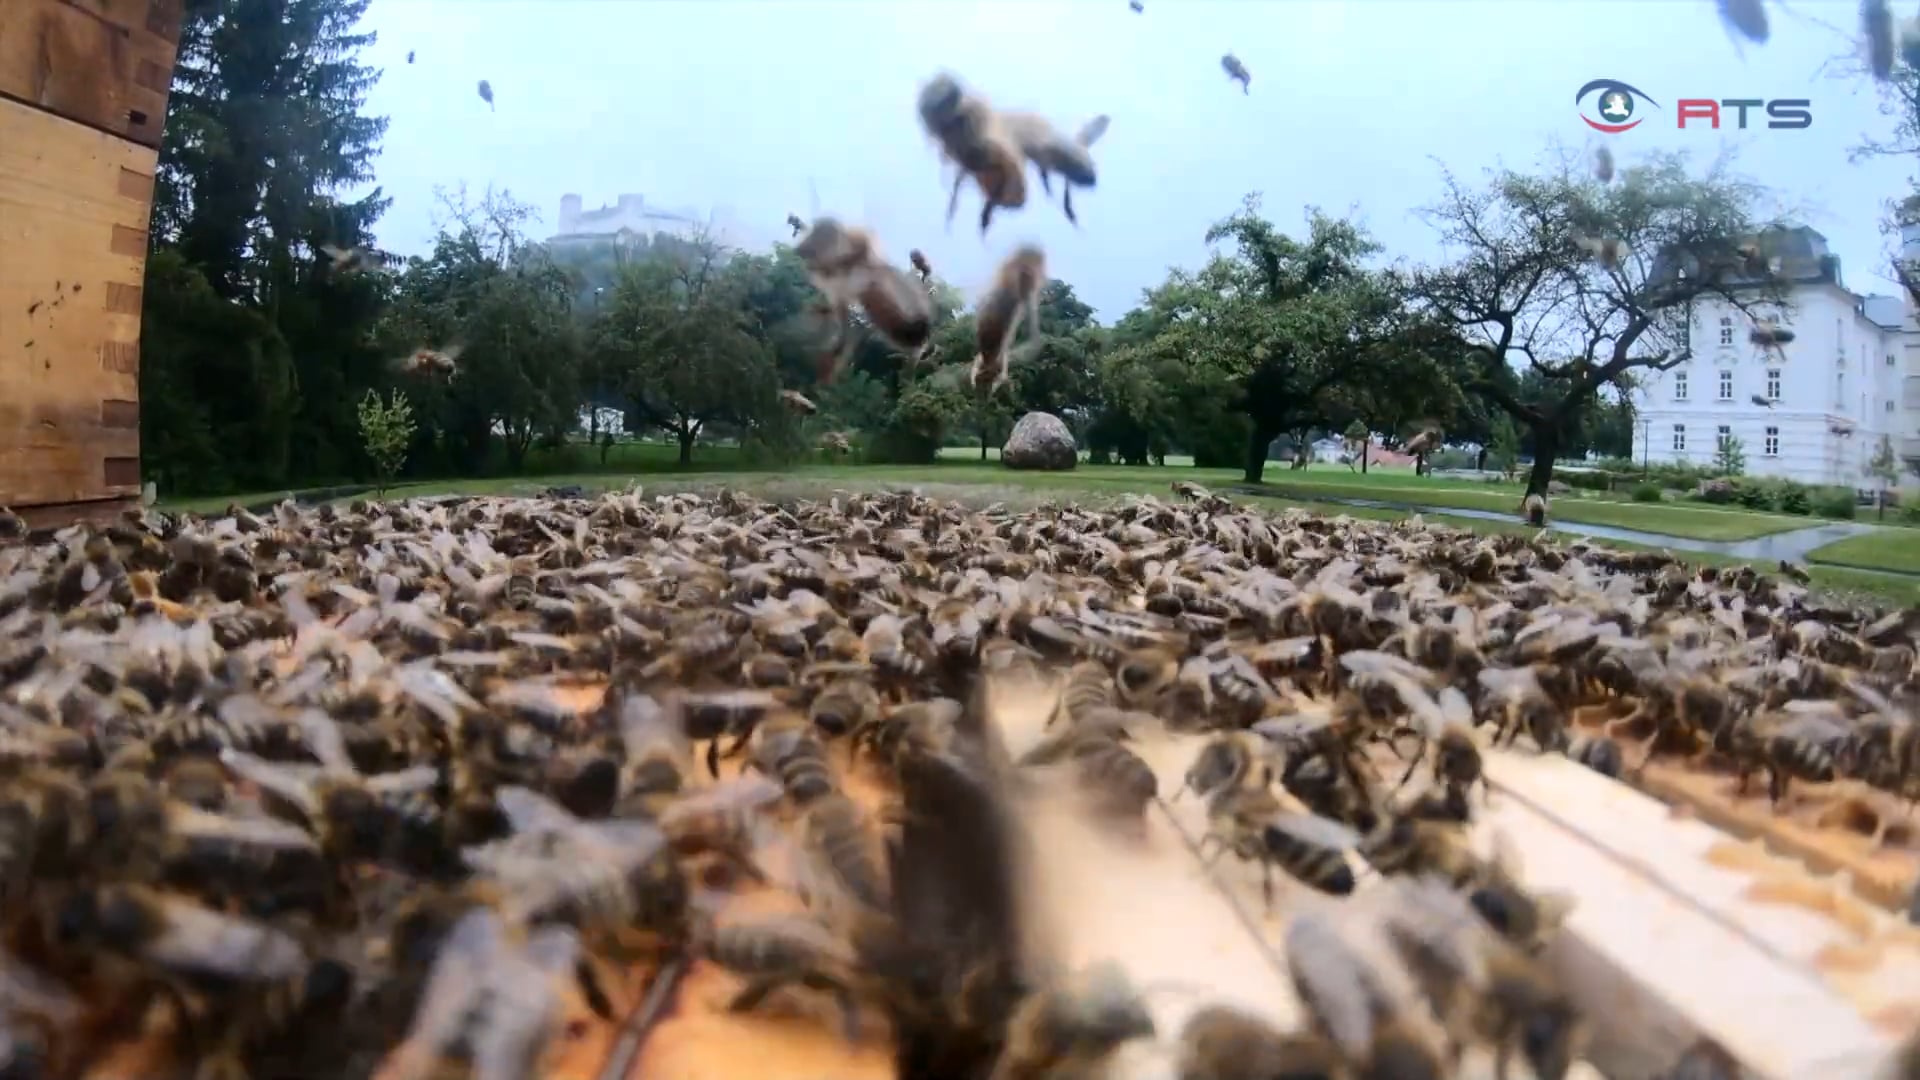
[1646, 444]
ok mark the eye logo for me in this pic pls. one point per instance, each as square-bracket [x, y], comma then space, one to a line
[1615, 103]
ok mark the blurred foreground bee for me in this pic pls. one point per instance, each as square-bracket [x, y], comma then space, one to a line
[1051, 151]
[920, 265]
[1534, 509]
[1015, 292]
[798, 402]
[1220, 1042]
[777, 951]
[1608, 251]
[794, 223]
[1073, 1027]
[1364, 1005]
[350, 260]
[1255, 825]
[975, 139]
[1768, 333]
[1237, 72]
[1603, 165]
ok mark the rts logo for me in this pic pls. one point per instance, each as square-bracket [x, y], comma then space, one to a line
[1616, 107]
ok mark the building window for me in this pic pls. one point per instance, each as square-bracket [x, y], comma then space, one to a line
[1726, 385]
[1773, 384]
[1773, 442]
[1726, 329]
[1679, 438]
[1679, 386]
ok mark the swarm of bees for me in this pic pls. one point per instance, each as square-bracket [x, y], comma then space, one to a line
[306, 791]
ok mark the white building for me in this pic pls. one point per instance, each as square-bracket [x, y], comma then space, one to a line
[632, 214]
[1850, 376]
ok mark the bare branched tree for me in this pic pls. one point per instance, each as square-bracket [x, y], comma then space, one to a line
[1587, 283]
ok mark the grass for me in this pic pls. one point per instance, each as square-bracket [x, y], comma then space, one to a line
[1893, 549]
[982, 485]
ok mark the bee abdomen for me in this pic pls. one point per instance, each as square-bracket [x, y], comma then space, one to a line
[1597, 752]
[1325, 868]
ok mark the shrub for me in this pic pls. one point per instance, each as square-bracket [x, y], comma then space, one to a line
[1839, 503]
[1910, 514]
[385, 430]
[1715, 491]
[1647, 493]
[1794, 498]
[1589, 480]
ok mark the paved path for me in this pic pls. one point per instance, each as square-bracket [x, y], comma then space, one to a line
[1793, 545]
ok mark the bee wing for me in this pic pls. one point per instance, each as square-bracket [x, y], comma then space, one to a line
[407, 781]
[200, 939]
[472, 951]
[293, 783]
[1094, 128]
[332, 252]
[322, 735]
[1318, 831]
[750, 791]
[1454, 706]
[1325, 972]
[529, 811]
[509, 1047]
[194, 823]
[628, 842]
[646, 724]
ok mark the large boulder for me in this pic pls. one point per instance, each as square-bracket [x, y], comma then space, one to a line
[1040, 441]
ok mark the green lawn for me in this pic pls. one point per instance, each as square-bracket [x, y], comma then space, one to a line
[1892, 549]
[990, 484]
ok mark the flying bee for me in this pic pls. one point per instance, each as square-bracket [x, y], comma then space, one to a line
[1237, 72]
[1515, 701]
[1220, 1042]
[1800, 742]
[659, 756]
[354, 817]
[1365, 1006]
[773, 952]
[350, 260]
[1114, 781]
[1876, 25]
[794, 223]
[973, 137]
[920, 265]
[842, 856]
[798, 402]
[1074, 1026]
[1748, 18]
[1768, 333]
[1603, 165]
[783, 747]
[1015, 292]
[1257, 826]
[1608, 251]
[427, 361]
[885, 641]
[173, 934]
[1053, 152]
[848, 268]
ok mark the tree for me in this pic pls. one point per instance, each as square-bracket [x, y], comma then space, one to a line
[1504, 444]
[678, 328]
[1523, 288]
[1730, 456]
[1359, 440]
[1884, 467]
[386, 429]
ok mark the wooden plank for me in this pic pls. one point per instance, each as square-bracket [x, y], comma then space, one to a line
[69, 308]
[1702, 953]
[1836, 827]
[107, 64]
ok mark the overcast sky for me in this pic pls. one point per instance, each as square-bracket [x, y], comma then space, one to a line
[742, 102]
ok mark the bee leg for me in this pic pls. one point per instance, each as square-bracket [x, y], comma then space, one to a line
[756, 991]
[1419, 753]
[986, 217]
[1046, 185]
[591, 991]
[953, 201]
[713, 757]
[1776, 786]
[1266, 884]
[842, 997]
[1068, 204]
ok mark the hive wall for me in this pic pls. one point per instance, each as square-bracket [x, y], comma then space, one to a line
[83, 94]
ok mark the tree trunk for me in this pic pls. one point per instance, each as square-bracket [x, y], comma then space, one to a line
[1480, 460]
[686, 433]
[1366, 452]
[1546, 446]
[983, 444]
[1257, 444]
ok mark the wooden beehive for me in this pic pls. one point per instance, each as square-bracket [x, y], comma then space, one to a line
[83, 93]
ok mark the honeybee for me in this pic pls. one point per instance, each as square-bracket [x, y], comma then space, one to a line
[349, 260]
[1366, 1007]
[1608, 251]
[1800, 741]
[1603, 165]
[794, 223]
[1405, 845]
[1016, 291]
[1220, 1042]
[773, 952]
[429, 361]
[1072, 1026]
[1446, 725]
[848, 268]
[973, 137]
[1053, 152]
[843, 856]
[1518, 705]
[492, 1002]
[920, 265]
[1255, 825]
[1533, 509]
[1597, 752]
[659, 757]
[1234, 761]
[1768, 333]
[798, 402]
[782, 746]
[1237, 72]
[725, 820]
